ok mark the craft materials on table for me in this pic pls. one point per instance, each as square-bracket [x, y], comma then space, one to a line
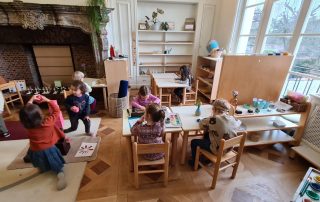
[86, 149]
[132, 121]
[173, 121]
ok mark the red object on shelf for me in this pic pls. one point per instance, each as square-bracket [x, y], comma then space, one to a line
[112, 54]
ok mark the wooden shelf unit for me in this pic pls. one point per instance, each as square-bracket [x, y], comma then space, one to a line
[248, 74]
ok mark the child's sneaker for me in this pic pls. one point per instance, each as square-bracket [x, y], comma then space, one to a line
[68, 130]
[91, 134]
[62, 183]
[7, 134]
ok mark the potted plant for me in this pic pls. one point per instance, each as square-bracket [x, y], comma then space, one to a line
[155, 22]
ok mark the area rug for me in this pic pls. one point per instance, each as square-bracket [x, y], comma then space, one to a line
[17, 131]
[95, 123]
[75, 142]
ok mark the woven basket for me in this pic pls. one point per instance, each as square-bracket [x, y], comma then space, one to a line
[117, 105]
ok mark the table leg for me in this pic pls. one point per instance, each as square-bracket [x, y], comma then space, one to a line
[174, 148]
[105, 99]
[184, 146]
[184, 95]
[160, 95]
[129, 153]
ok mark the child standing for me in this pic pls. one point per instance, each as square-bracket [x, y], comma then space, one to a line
[149, 129]
[219, 126]
[3, 129]
[43, 135]
[144, 98]
[185, 78]
[78, 75]
[77, 105]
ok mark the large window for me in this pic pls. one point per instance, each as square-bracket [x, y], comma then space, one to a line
[273, 26]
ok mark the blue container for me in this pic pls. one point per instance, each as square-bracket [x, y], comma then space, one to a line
[123, 88]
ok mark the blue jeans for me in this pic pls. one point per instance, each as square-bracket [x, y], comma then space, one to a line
[202, 143]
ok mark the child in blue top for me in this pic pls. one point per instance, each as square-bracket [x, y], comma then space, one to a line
[186, 78]
[78, 107]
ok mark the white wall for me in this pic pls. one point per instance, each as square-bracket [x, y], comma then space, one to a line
[225, 21]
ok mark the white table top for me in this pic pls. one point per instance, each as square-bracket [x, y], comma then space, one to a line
[96, 82]
[169, 83]
[188, 118]
[164, 75]
[126, 130]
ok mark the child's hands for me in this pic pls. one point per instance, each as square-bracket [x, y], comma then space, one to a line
[75, 109]
[143, 108]
[68, 140]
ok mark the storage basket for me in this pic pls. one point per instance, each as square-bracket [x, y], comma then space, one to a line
[117, 105]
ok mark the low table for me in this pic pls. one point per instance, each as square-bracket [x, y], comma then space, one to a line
[126, 132]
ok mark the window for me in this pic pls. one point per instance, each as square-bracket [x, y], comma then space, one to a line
[251, 20]
[273, 26]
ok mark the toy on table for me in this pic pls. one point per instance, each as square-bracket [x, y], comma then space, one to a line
[234, 101]
[173, 121]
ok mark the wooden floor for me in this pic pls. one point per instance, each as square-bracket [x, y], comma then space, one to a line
[265, 174]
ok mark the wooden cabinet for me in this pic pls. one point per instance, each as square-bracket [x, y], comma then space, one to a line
[116, 70]
[253, 76]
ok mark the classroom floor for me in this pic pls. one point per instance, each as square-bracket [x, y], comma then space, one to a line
[265, 174]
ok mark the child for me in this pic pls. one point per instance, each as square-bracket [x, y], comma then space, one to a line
[144, 98]
[3, 129]
[43, 135]
[219, 125]
[149, 129]
[186, 78]
[77, 105]
[92, 101]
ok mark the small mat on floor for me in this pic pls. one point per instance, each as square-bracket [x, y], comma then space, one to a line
[95, 123]
[17, 131]
[18, 162]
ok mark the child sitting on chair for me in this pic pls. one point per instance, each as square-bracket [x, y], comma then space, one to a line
[43, 135]
[3, 129]
[78, 75]
[185, 78]
[144, 98]
[149, 129]
[77, 105]
[219, 125]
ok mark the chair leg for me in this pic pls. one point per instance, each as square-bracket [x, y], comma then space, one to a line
[196, 161]
[7, 107]
[234, 171]
[136, 177]
[166, 174]
[215, 175]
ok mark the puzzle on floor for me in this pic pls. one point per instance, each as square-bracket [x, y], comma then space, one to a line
[86, 149]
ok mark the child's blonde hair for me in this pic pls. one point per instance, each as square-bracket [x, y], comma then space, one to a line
[221, 106]
[78, 75]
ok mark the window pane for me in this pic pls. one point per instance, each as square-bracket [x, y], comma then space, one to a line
[251, 20]
[284, 16]
[246, 45]
[252, 2]
[313, 25]
[276, 44]
[308, 56]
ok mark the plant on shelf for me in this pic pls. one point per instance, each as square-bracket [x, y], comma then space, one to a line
[154, 20]
[164, 26]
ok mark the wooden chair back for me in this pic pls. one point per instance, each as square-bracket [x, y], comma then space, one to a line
[11, 97]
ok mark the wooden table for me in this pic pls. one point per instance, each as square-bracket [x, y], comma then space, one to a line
[99, 83]
[170, 83]
[261, 123]
[312, 172]
[126, 132]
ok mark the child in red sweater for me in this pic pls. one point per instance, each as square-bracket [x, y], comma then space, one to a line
[43, 135]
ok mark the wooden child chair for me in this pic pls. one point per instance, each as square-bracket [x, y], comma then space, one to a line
[138, 160]
[11, 97]
[192, 95]
[223, 157]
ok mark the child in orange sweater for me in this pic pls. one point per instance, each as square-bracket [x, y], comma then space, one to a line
[43, 135]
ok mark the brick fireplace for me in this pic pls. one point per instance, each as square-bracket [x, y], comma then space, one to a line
[49, 25]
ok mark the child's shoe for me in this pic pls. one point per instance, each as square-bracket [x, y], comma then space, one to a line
[62, 183]
[7, 134]
[91, 134]
[69, 130]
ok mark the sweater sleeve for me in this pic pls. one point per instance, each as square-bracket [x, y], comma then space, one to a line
[89, 89]
[69, 103]
[51, 119]
[135, 130]
[154, 99]
[204, 123]
[87, 106]
[135, 102]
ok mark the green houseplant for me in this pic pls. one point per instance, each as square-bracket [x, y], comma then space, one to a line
[155, 22]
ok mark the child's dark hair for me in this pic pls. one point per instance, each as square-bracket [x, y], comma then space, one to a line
[79, 85]
[156, 113]
[31, 116]
[144, 91]
[185, 72]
